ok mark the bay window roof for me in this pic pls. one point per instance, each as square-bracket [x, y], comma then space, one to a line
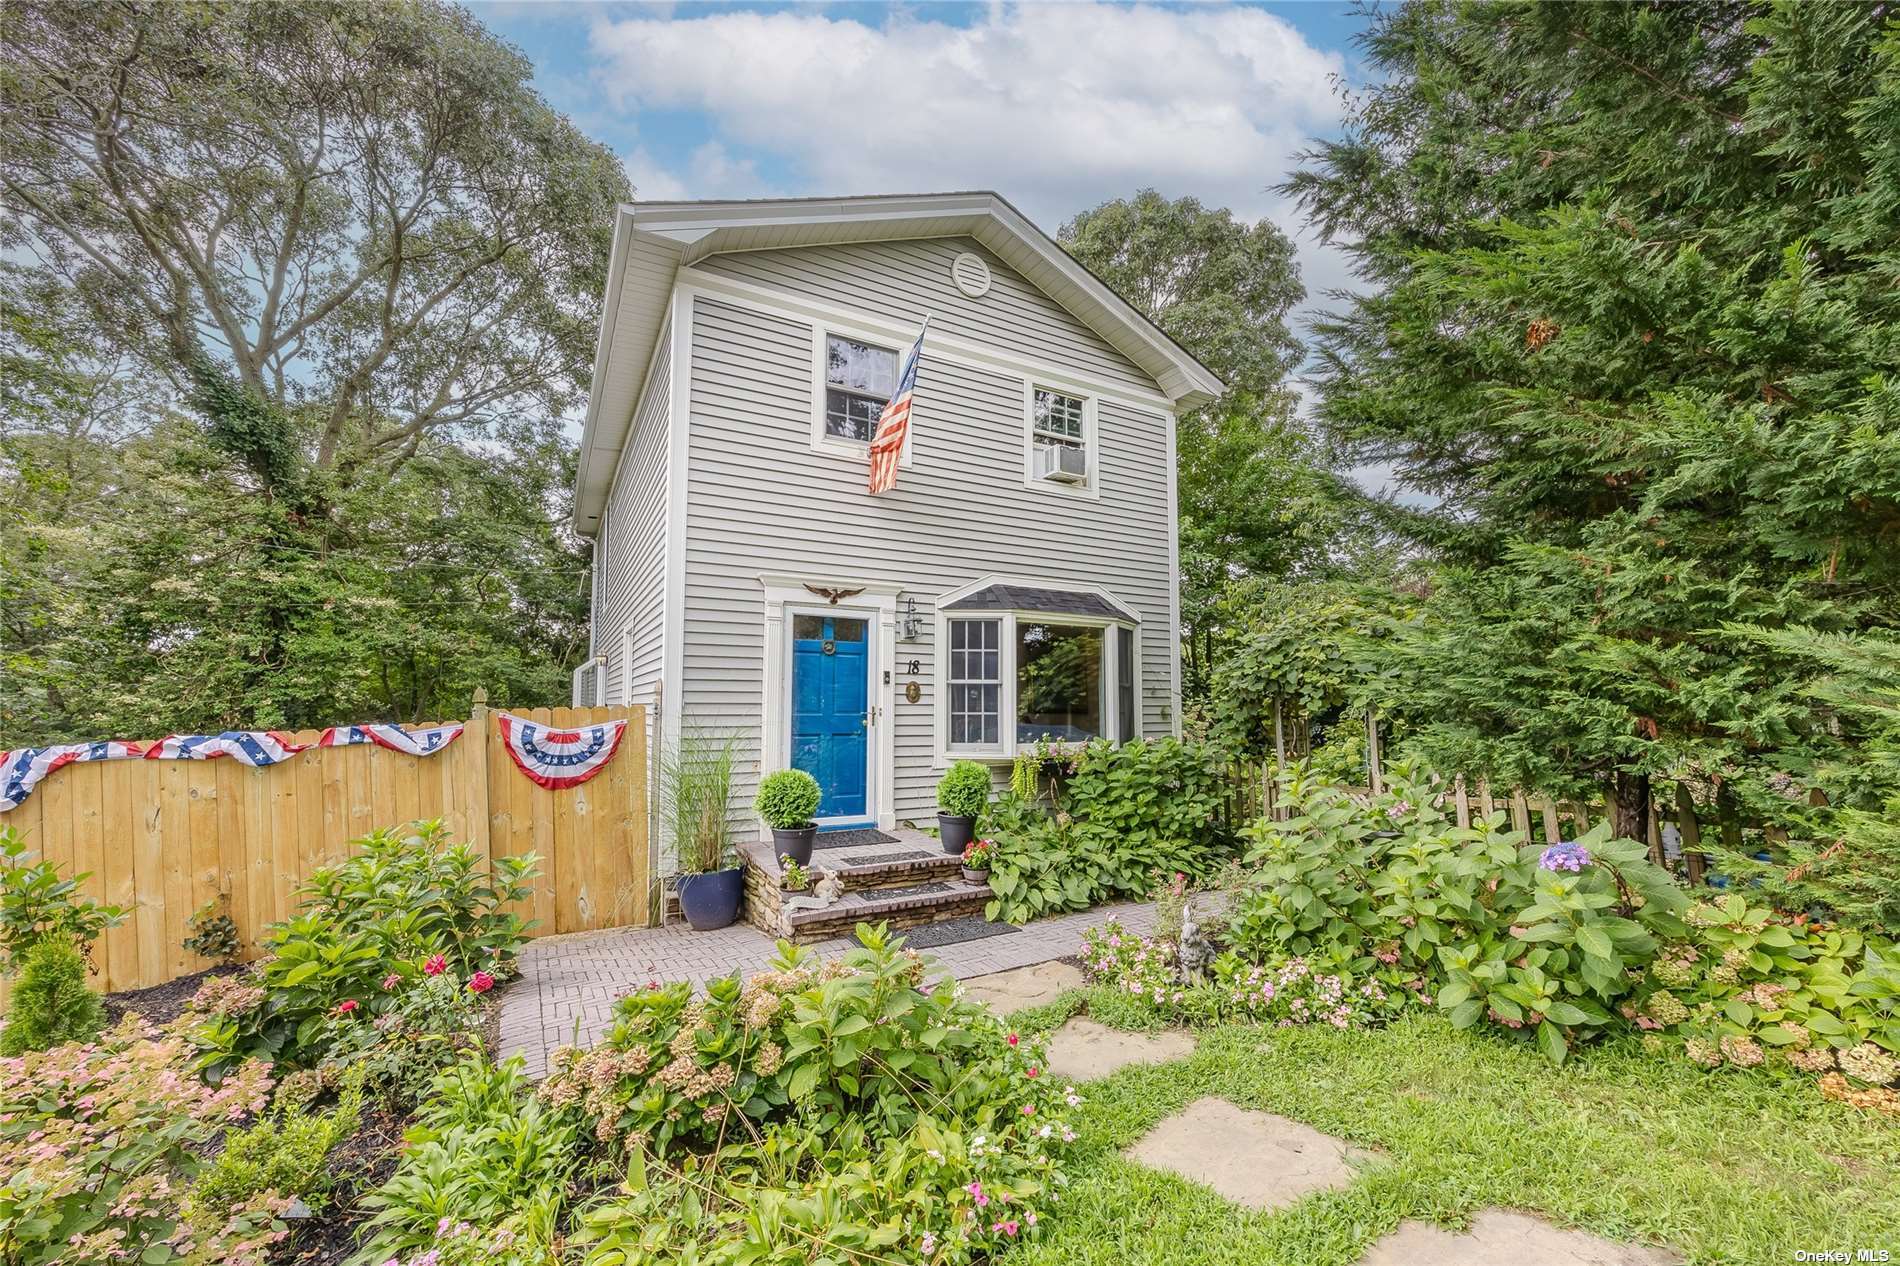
[1025, 598]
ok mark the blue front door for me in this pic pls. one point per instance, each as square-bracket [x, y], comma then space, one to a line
[830, 700]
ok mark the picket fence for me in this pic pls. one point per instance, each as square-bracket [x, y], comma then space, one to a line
[164, 837]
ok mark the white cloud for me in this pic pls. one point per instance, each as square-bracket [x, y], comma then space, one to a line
[1057, 106]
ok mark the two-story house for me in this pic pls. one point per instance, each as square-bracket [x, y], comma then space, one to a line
[1018, 582]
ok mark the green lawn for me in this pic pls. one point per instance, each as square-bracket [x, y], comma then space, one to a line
[1740, 1168]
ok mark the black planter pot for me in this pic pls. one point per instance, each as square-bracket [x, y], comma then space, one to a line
[711, 900]
[976, 877]
[795, 844]
[955, 832]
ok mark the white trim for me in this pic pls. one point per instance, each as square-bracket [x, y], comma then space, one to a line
[1174, 586]
[877, 603]
[1091, 487]
[1007, 748]
[855, 450]
[939, 346]
[679, 444]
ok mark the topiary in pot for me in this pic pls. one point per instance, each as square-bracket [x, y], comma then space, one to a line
[962, 795]
[787, 800]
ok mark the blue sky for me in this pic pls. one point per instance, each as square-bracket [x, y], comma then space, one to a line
[1057, 106]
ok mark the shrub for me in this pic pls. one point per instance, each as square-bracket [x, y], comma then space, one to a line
[1540, 942]
[51, 1003]
[96, 1139]
[856, 1037]
[787, 799]
[484, 1173]
[935, 1195]
[212, 933]
[281, 1156]
[964, 790]
[1122, 814]
[35, 903]
[382, 964]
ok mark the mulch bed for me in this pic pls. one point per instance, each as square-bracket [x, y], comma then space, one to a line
[161, 1004]
[361, 1164]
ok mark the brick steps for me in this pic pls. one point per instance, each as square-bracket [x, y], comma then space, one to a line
[904, 884]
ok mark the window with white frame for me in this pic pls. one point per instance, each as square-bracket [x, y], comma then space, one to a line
[1013, 679]
[859, 380]
[1060, 438]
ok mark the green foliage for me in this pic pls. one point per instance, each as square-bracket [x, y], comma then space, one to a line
[964, 790]
[94, 1139]
[856, 1038]
[787, 799]
[212, 932]
[485, 1152]
[695, 790]
[1401, 892]
[383, 963]
[364, 517]
[806, 1194]
[50, 1002]
[37, 905]
[1127, 812]
[282, 1155]
[1627, 314]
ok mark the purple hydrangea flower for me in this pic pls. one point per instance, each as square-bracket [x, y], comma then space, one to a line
[1565, 856]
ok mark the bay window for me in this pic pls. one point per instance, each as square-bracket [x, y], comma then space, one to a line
[1024, 665]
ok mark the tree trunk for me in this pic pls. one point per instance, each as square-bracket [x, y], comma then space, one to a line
[1629, 806]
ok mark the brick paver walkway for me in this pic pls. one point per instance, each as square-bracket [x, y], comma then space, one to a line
[568, 984]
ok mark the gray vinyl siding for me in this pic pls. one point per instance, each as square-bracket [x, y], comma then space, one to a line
[760, 500]
[632, 591]
[904, 281]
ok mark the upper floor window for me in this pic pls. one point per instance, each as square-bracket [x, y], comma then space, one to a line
[1060, 440]
[859, 380]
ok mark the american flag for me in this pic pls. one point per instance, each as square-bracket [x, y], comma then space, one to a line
[894, 423]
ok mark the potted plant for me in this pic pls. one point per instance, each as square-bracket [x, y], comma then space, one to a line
[787, 800]
[976, 860]
[962, 795]
[695, 787]
[792, 876]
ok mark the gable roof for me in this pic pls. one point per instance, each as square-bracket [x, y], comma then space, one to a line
[654, 240]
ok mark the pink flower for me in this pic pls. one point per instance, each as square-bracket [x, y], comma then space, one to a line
[481, 982]
[1013, 1039]
[391, 981]
[1029, 1109]
[436, 965]
[346, 1006]
[1032, 1070]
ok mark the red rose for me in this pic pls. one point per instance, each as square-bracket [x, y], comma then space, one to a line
[436, 965]
[346, 1006]
[481, 982]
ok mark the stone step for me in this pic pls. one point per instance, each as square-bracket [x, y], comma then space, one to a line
[899, 908]
[902, 883]
[904, 863]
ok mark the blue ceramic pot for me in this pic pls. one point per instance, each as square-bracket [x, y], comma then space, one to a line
[711, 900]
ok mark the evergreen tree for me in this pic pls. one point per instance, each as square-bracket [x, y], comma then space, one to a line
[1632, 314]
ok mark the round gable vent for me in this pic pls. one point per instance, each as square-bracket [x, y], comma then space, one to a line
[971, 274]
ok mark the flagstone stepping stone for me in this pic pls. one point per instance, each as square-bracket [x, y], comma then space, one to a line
[1255, 1159]
[1500, 1238]
[1083, 1050]
[1008, 991]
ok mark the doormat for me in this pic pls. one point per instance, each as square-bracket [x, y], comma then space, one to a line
[956, 931]
[852, 839]
[875, 859]
[917, 890]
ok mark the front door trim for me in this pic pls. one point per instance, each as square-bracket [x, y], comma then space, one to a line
[786, 596]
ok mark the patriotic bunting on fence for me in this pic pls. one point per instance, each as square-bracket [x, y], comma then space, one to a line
[415, 742]
[250, 747]
[559, 758]
[22, 768]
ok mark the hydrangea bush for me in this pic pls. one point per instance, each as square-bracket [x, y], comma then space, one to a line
[99, 1144]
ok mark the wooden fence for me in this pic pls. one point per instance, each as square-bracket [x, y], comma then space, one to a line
[163, 837]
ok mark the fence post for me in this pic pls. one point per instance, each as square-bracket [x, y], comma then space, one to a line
[476, 731]
[1373, 762]
[656, 848]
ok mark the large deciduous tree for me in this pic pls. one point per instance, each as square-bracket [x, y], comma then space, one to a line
[297, 297]
[1634, 318]
[1256, 500]
[363, 212]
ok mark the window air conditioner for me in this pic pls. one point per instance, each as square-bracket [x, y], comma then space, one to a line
[1062, 464]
